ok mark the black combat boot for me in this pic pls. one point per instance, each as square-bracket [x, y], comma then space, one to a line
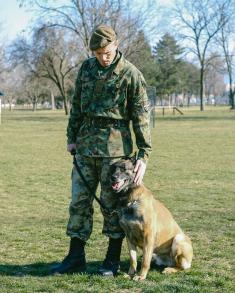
[111, 264]
[75, 261]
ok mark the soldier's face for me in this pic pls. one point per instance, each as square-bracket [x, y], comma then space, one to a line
[106, 55]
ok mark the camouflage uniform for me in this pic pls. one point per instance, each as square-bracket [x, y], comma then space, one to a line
[104, 103]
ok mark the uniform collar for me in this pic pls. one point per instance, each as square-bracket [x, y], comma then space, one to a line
[120, 64]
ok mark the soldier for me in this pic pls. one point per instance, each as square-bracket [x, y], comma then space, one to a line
[109, 93]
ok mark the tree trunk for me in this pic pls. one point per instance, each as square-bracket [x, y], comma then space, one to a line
[188, 100]
[10, 105]
[202, 89]
[232, 99]
[34, 106]
[231, 92]
[52, 101]
[65, 105]
[33, 99]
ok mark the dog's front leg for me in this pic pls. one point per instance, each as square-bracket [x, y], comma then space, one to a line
[133, 258]
[147, 256]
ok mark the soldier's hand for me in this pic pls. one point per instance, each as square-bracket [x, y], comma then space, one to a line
[140, 168]
[71, 147]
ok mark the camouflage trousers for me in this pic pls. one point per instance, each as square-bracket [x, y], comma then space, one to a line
[95, 171]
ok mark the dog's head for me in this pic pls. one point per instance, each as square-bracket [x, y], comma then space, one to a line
[122, 174]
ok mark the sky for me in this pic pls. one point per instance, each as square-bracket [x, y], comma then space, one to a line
[12, 18]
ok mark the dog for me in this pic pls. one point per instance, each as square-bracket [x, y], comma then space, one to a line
[149, 225]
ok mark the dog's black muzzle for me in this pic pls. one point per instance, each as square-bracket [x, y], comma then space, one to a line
[114, 178]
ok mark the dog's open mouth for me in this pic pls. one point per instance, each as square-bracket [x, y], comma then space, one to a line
[117, 185]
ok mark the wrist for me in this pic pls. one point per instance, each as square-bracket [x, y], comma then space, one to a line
[142, 156]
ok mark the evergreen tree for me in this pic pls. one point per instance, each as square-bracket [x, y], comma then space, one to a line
[189, 79]
[144, 60]
[167, 56]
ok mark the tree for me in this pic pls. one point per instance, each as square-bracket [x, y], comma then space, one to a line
[77, 19]
[80, 17]
[2, 65]
[12, 80]
[214, 76]
[51, 56]
[189, 80]
[226, 40]
[143, 59]
[167, 57]
[199, 22]
[2, 59]
[8, 78]
[34, 91]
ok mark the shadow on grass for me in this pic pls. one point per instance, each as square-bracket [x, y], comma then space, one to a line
[42, 269]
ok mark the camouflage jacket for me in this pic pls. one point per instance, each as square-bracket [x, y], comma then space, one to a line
[117, 92]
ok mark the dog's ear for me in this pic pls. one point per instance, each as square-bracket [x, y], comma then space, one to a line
[130, 162]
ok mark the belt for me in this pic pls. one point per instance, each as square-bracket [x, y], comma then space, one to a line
[104, 122]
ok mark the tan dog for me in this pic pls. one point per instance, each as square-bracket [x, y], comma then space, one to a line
[148, 224]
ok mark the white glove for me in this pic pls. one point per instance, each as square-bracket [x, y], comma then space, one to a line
[140, 168]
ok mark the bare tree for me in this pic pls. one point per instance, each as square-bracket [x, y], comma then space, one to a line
[80, 17]
[2, 66]
[33, 90]
[214, 76]
[12, 80]
[49, 56]
[226, 40]
[199, 22]
[2, 57]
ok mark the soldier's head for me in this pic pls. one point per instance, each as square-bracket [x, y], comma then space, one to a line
[104, 44]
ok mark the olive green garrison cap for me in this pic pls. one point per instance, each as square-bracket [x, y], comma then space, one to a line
[102, 36]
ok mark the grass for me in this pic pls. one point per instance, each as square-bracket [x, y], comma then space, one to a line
[192, 170]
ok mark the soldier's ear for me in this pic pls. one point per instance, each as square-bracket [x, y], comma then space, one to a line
[116, 43]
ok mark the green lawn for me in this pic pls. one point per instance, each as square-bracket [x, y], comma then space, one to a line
[192, 170]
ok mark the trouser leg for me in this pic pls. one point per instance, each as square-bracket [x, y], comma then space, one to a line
[81, 206]
[111, 226]
[80, 221]
[109, 198]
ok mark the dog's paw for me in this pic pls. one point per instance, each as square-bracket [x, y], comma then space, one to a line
[169, 270]
[139, 278]
[127, 276]
[132, 272]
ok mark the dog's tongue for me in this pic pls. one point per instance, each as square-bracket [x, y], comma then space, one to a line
[115, 185]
